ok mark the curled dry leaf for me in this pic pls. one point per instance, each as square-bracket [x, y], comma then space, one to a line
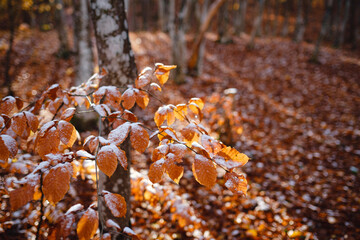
[91, 142]
[68, 114]
[8, 147]
[162, 72]
[116, 203]
[57, 182]
[236, 183]
[204, 171]
[88, 225]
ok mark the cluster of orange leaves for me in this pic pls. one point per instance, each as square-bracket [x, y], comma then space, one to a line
[30, 129]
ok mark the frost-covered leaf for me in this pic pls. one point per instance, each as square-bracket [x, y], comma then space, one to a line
[190, 133]
[119, 134]
[128, 98]
[210, 144]
[174, 171]
[67, 133]
[107, 160]
[139, 137]
[21, 196]
[180, 112]
[32, 121]
[116, 203]
[19, 123]
[111, 224]
[142, 99]
[108, 95]
[8, 147]
[7, 104]
[47, 140]
[84, 154]
[165, 113]
[144, 78]
[167, 133]
[155, 87]
[88, 225]
[91, 142]
[198, 102]
[230, 158]
[156, 171]
[236, 183]
[57, 182]
[103, 110]
[162, 72]
[68, 114]
[204, 171]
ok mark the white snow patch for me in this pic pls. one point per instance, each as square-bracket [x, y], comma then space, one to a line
[106, 25]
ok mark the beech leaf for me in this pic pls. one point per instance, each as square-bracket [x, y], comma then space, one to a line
[204, 171]
[116, 203]
[88, 225]
[57, 182]
[107, 160]
[236, 183]
[139, 137]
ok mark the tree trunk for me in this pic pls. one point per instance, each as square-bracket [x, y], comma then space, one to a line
[116, 56]
[84, 61]
[285, 27]
[200, 60]
[64, 49]
[223, 24]
[257, 23]
[193, 60]
[12, 10]
[324, 27]
[240, 17]
[276, 20]
[299, 27]
[341, 35]
[163, 15]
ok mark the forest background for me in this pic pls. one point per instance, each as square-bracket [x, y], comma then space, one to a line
[280, 82]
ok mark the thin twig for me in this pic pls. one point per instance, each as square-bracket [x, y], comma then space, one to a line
[41, 206]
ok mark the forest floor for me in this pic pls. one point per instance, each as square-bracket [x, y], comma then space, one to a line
[299, 125]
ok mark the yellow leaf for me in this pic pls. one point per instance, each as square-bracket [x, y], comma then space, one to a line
[204, 171]
[236, 183]
[87, 225]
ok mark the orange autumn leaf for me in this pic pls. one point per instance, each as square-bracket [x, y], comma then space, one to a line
[142, 99]
[57, 182]
[116, 203]
[162, 72]
[47, 140]
[165, 113]
[180, 111]
[21, 196]
[128, 98]
[139, 137]
[68, 114]
[204, 171]
[107, 160]
[119, 134]
[156, 171]
[88, 225]
[7, 104]
[8, 147]
[231, 158]
[236, 183]
[67, 133]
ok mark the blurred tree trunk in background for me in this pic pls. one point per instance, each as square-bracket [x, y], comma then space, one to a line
[84, 59]
[223, 23]
[195, 49]
[178, 42]
[324, 26]
[299, 25]
[116, 56]
[257, 23]
[64, 49]
[240, 17]
[163, 15]
[276, 18]
[339, 38]
[13, 8]
[286, 10]
[354, 23]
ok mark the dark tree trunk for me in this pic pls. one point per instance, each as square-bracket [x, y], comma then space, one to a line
[12, 11]
[64, 49]
[341, 35]
[257, 23]
[324, 27]
[116, 56]
[163, 15]
[223, 24]
[285, 27]
[299, 27]
[240, 17]
[276, 20]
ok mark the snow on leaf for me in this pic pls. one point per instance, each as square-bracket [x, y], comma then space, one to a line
[116, 203]
[88, 224]
[139, 137]
[160, 152]
[165, 112]
[68, 114]
[128, 98]
[231, 158]
[108, 95]
[142, 99]
[32, 121]
[75, 208]
[204, 171]
[178, 150]
[48, 142]
[155, 87]
[7, 104]
[190, 133]
[167, 133]
[8, 147]
[120, 154]
[198, 102]
[107, 160]
[67, 133]
[180, 111]
[174, 171]
[84, 154]
[162, 72]
[210, 144]
[119, 134]
[92, 143]
[156, 171]
[111, 224]
[19, 123]
[57, 182]
[21, 196]
[236, 183]
[130, 232]
[103, 110]
[142, 80]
